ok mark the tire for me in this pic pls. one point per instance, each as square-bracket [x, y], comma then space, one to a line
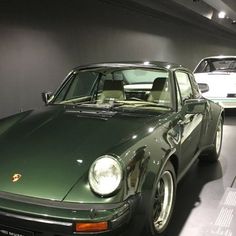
[162, 202]
[212, 155]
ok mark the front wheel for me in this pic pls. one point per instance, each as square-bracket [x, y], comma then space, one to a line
[162, 202]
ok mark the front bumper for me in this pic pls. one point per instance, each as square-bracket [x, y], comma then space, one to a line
[19, 218]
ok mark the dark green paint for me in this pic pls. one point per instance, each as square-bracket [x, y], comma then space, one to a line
[44, 146]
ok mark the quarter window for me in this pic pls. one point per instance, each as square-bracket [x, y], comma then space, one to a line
[184, 85]
[195, 88]
[179, 101]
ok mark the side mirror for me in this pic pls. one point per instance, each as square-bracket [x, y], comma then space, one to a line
[195, 106]
[203, 87]
[46, 97]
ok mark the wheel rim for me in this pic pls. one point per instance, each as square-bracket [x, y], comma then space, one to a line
[163, 201]
[218, 137]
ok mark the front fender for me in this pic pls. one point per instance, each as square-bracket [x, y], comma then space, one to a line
[8, 122]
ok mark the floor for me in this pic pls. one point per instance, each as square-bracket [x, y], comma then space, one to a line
[201, 190]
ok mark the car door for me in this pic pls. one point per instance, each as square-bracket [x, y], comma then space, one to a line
[189, 124]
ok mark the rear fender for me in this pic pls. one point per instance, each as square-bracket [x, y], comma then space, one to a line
[211, 120]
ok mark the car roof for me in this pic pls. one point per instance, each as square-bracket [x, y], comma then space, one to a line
[219, 57]
[138, 64]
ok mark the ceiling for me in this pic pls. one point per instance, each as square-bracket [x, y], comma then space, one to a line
[210, 10]
[231, 4]
[199, 13]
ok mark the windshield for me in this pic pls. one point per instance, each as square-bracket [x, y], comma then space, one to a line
[132, 89]
[216, 64]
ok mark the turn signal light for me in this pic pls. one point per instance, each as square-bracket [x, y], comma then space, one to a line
[91, 227]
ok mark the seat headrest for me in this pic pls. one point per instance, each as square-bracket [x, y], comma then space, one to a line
[113, 85]
[159, 84]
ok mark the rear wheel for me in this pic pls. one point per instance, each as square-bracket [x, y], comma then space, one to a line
[162, 202]
[212, 155]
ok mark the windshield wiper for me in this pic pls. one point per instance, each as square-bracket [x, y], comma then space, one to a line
[122, 105]
[137, 105]
[99, 114]
[156, 105]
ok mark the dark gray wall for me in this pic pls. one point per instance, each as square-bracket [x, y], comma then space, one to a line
[40, 41]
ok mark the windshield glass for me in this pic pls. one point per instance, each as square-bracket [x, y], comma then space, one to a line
[216, 64]
[135, 88]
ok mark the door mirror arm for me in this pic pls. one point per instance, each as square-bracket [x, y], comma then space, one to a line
[47, 97]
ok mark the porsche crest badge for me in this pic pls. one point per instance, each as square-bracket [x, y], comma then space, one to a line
[16, 177]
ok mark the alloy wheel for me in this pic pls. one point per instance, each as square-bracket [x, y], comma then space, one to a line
[218, 137]
[163, 201]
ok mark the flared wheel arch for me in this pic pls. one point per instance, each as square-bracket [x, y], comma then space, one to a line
[166, 167]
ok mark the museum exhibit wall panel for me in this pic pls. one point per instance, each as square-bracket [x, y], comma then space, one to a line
[40, 41]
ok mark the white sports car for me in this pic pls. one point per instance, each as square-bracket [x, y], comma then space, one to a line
[217, 76]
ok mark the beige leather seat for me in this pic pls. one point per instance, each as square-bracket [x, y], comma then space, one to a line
[160, 91]
[112, 90]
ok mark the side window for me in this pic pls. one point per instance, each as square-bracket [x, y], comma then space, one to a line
[196, 92]
[201, 67]
[185, 87]
[179, 100]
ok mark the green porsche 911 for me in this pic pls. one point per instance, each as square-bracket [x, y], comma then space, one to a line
[105, 154]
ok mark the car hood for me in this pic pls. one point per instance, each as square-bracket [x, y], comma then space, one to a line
[220, 83]
[51, 149]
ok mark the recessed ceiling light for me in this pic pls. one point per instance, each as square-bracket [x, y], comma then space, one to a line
[221, 14]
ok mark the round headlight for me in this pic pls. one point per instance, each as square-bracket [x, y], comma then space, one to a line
[105, 175]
